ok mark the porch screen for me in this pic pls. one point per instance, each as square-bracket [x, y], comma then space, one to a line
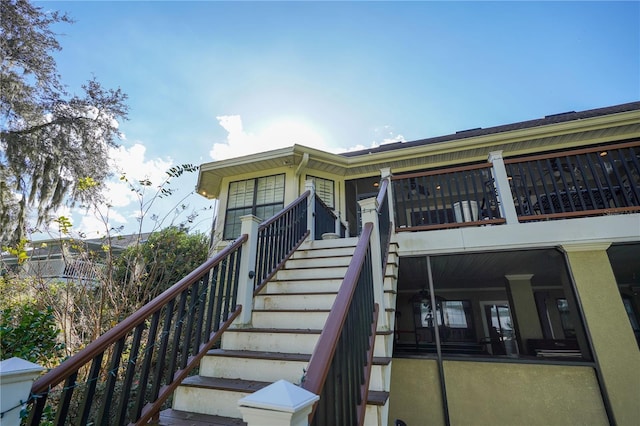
[262, 197]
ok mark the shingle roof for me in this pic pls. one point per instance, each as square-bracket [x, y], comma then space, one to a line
[549, 119]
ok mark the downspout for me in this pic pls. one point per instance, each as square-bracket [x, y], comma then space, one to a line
[303, 164]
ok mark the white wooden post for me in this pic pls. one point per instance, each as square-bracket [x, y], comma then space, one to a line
[16, 378]
[311, 209]
[249, 226]
[279, 404]
[507, 207]
[368, 207]
[386, 174]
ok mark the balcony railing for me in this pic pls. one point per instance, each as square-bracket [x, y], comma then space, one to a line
[446, 198]
[584, 182]
[601, 180]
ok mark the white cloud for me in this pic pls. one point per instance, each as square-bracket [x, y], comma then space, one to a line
[284, 132]
[279, 133]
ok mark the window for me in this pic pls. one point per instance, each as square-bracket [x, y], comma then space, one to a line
[262, 197]
[324, 189]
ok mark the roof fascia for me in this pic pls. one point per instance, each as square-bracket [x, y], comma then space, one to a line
[513, 136]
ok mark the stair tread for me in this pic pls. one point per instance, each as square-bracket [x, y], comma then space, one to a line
[172, 417]
[250, 386]
[278, 356]
[289, 331]
[290, 310]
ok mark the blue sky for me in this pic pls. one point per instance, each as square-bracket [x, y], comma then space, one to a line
[208, 80]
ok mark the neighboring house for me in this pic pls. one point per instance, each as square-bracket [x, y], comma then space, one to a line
[67, 259]
[519, 244]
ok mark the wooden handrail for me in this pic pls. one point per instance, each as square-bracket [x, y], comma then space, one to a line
[93, 349]
[441, 171]
[325, 347]
[382, 193]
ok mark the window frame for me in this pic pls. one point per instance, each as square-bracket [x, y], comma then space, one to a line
[231, 228]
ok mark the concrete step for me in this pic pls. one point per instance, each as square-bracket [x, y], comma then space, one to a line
[172, 417]
[315, 253]
[305, 301]
[196, 394]
[319, 300]
[289, 340]
[328, 244]
[273, 366]
[318, 262]
[331, 285]
[272, 318]
[313, 273]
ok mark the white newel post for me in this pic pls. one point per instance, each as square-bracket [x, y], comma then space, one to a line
[279, 404]
[16, 378]
[311, 209]
[386, 174]
[369, 211]
[249, 226]
[505, 199]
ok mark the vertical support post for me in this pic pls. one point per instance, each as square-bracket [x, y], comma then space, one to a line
[368, 207]
[311, 209]
[385, 173]
[249, 226]
[607, 324]
[523, 303]
[501, 180]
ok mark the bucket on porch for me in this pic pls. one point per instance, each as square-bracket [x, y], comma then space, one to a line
[466, 211]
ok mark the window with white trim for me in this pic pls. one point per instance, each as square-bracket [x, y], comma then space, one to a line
[325, 189]
[262, 197]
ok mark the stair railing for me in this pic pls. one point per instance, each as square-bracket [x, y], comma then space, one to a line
[340, 366]
[128, 373]
[279, 237]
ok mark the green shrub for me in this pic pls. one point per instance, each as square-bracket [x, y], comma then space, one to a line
[29, 333]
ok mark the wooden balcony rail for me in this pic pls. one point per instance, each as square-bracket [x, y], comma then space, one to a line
[127, 374]
[445, 198]
[582, 182]
[340, 365]
[279, 237]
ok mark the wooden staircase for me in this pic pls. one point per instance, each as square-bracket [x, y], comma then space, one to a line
[287, 319]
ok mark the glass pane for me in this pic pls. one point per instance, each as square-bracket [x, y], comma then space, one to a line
[324, 189]
[232, 224]
[270, 190]
[240, 194]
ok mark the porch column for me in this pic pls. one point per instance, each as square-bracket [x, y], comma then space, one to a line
[615, 348]
[370, 214]
[311, 209]
[524, 308]
[386, 174]
[246, 280]
[501, 181]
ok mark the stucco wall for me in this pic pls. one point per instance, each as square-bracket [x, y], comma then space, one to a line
[415, 394]
[485, 393]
